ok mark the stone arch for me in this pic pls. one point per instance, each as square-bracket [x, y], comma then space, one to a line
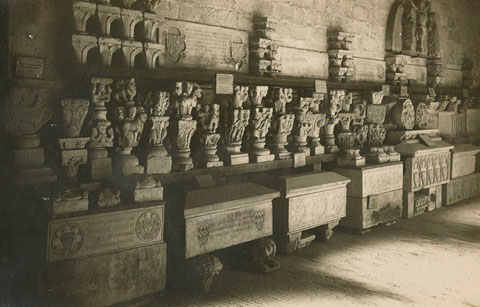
[118, 59]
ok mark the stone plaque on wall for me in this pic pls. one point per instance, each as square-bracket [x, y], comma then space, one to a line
[203, 46]
[304, 63]
[417, 73]
[369, 70]
[27, 67]
[105, 232]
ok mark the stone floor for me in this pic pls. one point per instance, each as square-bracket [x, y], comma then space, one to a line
[430, 260]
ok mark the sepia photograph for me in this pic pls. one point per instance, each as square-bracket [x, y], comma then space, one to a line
[235, 153]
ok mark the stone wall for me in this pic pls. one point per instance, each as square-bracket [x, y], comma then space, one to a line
[43, 28]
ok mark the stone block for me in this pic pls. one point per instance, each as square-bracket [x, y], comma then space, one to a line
[148, 195]
[37, 175]
[30, 157]
[102, 233]
[100, 169]
[265, 158]
[66, 204]
[108, 279]
[364, 213]
[236, 159]
[373, 179]
[159, 165]
[221, 217]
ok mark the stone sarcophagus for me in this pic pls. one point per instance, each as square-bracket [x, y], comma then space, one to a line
[463, 160]
[427, 168]
[374, 195]
[215, 218]
[309, 202]
[221, 217]
[121, 252]
[461, 188]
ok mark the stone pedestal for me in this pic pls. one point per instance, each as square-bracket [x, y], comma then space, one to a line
[260, 121]
[374, 195]
[207, 157]
[101, 137]
[158, 160]
[313, 202]
[317, 121]
[125, 163]
[121, 252]
[28, 162]
[329, 137]
[182, 132]
[234, 129]
[281, 128]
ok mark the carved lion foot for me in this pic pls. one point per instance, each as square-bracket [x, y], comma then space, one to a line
[262, 252]
[202, 272]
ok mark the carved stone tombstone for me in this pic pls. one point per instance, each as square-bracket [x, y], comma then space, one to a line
[129, 124]
[157, 159]
[26, 111]
[182, 126]
[208, 118]
[235, 123]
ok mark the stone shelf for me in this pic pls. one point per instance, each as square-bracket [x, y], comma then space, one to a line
[171, 178]
[208, 76]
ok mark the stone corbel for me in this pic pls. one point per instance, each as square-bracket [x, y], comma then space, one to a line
[108, 46]
[82, 11]
[152, 52]
[130, 18]
[152, 23]
[106, 15]
[82, 44]
[130, 50]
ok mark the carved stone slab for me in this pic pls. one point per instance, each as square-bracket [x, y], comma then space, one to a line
[462, 188]
[369, 70]
[304, 63]
[373, 179]
[452, 123]
[463, 160]
[95, 234]
[220, 217]
[427, 170]
[118, 277]
[202, 46]
[364, 213]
